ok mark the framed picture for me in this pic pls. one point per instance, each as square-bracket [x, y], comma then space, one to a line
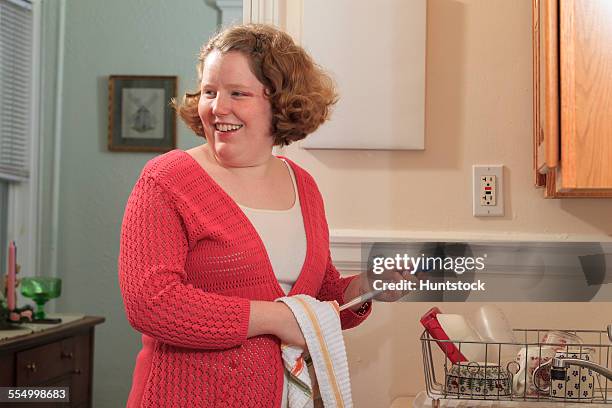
[140, 118]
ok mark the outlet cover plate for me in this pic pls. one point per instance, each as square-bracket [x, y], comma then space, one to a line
[479, 171]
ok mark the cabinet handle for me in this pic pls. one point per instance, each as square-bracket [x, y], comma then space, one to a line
[77, 371]
[69, 355]
[31, 367]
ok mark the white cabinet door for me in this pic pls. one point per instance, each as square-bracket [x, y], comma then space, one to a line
[375, 51]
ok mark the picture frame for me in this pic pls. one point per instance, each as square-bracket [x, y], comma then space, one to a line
[140, 118]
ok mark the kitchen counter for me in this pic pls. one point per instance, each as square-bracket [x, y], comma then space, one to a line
[422, 401]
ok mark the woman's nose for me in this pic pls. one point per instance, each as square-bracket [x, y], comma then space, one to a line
[221, 105]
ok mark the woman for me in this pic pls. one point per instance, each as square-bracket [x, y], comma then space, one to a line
[212, 236]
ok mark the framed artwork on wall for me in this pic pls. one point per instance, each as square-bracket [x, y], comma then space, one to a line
[140, 118]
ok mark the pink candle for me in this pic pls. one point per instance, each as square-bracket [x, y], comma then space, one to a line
[10, 289]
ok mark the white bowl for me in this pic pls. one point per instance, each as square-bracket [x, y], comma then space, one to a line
[478, 379]
[459, 330]
[493, 327]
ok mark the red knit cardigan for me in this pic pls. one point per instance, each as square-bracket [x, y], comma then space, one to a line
[189, 263]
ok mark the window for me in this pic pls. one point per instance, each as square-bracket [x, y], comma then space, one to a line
[15, 88]
[18, 118]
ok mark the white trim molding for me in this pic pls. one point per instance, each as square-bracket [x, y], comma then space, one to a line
[285, 14]
[231, 12]
[263, 11]
[345, 244]
[57, 138]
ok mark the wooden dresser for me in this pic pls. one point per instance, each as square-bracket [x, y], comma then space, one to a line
[58, 357]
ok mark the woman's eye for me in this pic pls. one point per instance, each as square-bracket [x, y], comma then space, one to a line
[209, 94]
[238, 93]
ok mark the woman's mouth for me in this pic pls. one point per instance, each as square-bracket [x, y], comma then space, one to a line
[227, 127]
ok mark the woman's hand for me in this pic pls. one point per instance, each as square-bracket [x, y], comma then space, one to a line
[364, 283]
[277, 319]
[289, 331]
[389, 276]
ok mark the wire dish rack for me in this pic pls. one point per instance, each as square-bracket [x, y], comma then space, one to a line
[527, 371]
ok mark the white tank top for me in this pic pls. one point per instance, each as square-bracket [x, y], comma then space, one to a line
[283, 235]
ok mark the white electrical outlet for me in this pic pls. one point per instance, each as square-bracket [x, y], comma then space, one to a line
[487, 185]
[487, 190]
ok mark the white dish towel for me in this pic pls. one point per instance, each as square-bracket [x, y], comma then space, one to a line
[320, 324]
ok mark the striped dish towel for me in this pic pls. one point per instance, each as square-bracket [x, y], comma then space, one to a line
[320, 324]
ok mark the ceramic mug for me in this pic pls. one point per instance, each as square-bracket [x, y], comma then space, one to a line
[529, 359]
[573, 382]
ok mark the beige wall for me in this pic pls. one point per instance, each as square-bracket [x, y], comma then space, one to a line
[478, 111]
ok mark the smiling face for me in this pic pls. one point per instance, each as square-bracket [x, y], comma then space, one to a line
[235, 112]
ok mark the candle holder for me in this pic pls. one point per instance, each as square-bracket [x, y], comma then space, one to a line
[11, 319]
[4, 314]
[41, 290]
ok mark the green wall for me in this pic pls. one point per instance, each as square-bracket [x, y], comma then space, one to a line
[132, 37]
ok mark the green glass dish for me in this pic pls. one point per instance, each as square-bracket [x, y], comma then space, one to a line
[41, 290]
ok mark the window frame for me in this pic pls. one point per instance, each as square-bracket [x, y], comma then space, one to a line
[23, 196]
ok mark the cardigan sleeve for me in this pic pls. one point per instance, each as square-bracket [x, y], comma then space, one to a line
[333, 288]
[157, 300]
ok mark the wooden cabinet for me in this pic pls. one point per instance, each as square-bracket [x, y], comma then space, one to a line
[572, 56]
[58, 357]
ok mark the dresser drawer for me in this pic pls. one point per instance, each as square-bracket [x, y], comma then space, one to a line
[44, 363]
[60, 356]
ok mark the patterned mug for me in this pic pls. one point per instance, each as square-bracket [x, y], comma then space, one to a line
[572, 382]
[529, 358]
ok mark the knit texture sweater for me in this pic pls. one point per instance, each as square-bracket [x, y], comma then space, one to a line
[190, 262]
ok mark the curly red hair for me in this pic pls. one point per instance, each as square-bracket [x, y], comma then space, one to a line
[300, 92]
